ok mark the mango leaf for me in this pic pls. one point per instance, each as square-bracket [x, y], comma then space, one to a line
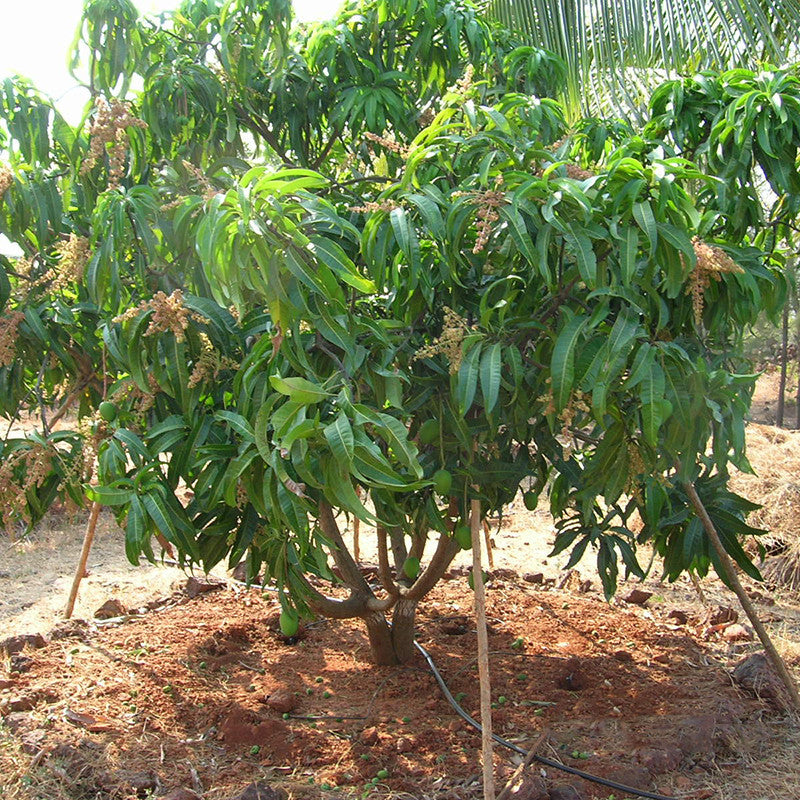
[491, 365]
[562, 366]
[339, 434]
[299, 389]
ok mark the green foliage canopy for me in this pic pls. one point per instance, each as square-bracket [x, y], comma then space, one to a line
[297, 247]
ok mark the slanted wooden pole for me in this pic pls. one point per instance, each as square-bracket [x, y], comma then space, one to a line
[487, 747]
[88, 538]
[732, 579]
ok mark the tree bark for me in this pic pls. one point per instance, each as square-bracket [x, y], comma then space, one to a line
[784, 364]
[403, 616]
[380, 638]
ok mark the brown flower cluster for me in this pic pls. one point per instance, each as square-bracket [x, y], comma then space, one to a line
[711, 263]
[577, 404]
[6, 179]
[578, 173]
[373, 206]
[20, 472]
[108, 136]
[9, 327]
[454, 331]
[210, 363]
[73, 255]
[389, 143]
[463, 85]
[488, 202]
[169, 314]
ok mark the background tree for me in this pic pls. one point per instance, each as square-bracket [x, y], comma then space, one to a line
[304, 261]
[618, 51]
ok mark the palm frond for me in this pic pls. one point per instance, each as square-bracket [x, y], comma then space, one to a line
[617, 50]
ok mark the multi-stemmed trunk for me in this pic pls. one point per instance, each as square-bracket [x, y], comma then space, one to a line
[390, 643]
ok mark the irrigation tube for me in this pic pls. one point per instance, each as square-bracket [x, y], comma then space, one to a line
[620, 787]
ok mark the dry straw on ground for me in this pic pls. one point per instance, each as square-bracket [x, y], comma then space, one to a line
[775, 456]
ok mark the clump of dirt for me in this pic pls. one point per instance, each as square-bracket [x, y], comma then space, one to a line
[184, 692]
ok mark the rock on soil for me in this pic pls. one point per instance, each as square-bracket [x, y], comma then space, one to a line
[182, 794]
[283, 701]
[737, 633]
[565, 793]
[16, 644]
[261, 791]
[110, 609]
[756, 676]
[721, 615]
[196, 586]
[637, 597]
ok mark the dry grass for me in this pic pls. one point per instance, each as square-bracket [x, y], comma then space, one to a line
[775, 456]
[772, 772]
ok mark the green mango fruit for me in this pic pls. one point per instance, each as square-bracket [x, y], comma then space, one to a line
[108, 410]
[429, 431]
[411, 567]
[442, 481]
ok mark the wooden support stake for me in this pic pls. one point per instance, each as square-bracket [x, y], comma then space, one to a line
[487, 748]
[733, 581]
[487, 534]
[515, 781]
[88, 538]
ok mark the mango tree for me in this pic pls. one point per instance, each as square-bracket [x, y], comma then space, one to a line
[306, 266]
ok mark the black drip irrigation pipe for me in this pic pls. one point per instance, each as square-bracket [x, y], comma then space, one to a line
[620, 787]
[547, 762]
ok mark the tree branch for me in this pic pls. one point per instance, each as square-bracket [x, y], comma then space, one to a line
[348, 568]
[446, 549]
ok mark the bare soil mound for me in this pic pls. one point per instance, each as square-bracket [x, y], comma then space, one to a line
[208, 695]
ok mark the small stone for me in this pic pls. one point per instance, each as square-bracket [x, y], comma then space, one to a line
[504, 574]
[70, 629]
[283, 701]
[16, 644]
[454, 626]
[403, 745]
[14, 721]
[143, 783]
[657, 760]
[182, 794]
[756, 676]
[637, 777]
[722, 614]
[565, 792]
[19, 663]
[533, 577]
[737, 633]
[369, 736]
[637, 597]
[261, 791]
[196, 586]
[623, 656]
[679, 616]
[662, 658]
[19, 702]
[110, 609]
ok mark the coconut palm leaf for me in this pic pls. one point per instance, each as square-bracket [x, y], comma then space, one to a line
[616, 51]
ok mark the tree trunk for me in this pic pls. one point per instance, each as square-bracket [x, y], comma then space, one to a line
[403, 617]
[380, 639]
[784, 364]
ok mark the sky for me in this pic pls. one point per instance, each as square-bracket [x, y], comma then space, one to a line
[35, 37]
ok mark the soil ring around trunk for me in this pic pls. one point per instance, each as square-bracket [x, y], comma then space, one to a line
[208, 695]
